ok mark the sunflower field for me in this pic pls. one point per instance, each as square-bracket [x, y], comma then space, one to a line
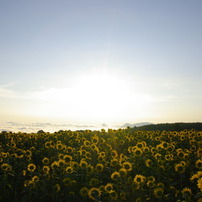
[104, 165]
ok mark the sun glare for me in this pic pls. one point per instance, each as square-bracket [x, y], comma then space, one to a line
[93, 97]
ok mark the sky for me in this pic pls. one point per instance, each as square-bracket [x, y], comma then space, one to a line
[100, 61]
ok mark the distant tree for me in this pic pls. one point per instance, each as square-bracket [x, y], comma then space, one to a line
[40, 131]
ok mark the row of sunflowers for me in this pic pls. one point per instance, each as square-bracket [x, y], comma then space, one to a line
[112, 165]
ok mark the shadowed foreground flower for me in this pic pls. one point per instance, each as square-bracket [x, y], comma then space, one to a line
[186, 193]
[113, 195]
[158, 192]
[6, 167]
[84, 191]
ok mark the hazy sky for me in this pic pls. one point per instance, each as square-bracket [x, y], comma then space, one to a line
[101, 61]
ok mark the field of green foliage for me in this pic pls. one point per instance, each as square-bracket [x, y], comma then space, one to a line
[112, 165]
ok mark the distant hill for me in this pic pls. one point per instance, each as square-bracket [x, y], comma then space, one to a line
[135, 124]
[179, 126]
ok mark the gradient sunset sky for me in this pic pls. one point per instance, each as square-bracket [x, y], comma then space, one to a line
[101, 61]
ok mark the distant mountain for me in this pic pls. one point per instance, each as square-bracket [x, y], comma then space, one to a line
[135, 124]
[179, 126]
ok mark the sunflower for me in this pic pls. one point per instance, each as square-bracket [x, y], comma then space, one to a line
[127, 166]
[150, 184]
[186, 192]
[180, 154]
[151, 178]
[198, 164]
[45, 160]
[67, 158]
[113, 195]
[199, 183]
[102, 154]
[87, 143]
[94, 193]
[35, 179]
[47, 145]
[46, 169]
[140, 145]
[69, 149]
[108, 188]
[89, 169]
[114, 162]
[94, 182]
[84, 191]
[179, 168]
[54, 165]
[83, 164]
[5, 154]
[99, 167]
[6, 167]
[123, 172]
[137, 152]
[61, 163]
[115, 175]
[146, 149]
[31, 167]
[139, 179]
[95, 139]
[69, 169]
[148, 162]
[158, 192]
[114, 153]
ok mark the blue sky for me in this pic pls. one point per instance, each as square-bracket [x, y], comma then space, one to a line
[97, 61]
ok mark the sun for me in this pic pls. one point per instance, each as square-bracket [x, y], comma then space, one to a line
[101, 95]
